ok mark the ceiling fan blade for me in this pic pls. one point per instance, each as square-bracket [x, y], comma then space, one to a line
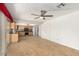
[35, 14]
[43, 12]
[48, 15]
[37, 17]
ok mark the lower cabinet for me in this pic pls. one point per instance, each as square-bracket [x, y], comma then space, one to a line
[14, 38]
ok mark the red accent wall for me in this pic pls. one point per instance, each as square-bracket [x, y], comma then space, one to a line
[4, 9]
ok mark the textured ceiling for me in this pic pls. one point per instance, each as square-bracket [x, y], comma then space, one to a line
[21, 12]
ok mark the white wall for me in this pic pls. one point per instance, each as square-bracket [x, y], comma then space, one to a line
[3, 33]
[63, 30]
[0, 33]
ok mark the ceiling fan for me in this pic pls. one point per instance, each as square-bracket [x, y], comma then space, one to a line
[43, 15]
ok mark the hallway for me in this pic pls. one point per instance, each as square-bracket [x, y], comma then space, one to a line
[29, 45]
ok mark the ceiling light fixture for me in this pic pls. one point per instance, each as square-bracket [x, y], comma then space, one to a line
[60, 5]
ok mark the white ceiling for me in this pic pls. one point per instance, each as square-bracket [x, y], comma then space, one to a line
[21, 12]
